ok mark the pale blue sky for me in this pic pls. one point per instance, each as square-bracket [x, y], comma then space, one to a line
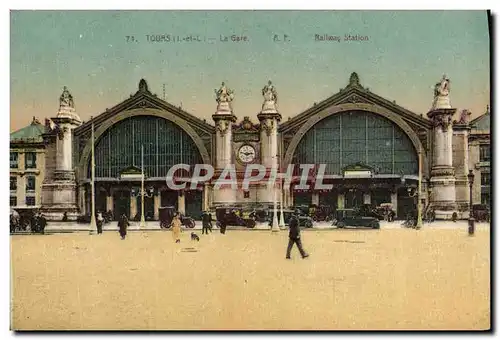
[406, 54]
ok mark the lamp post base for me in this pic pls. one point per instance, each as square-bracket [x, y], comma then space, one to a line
[472, 226]
[93, 226]
[275, 227]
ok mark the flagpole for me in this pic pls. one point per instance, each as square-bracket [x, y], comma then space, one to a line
[93, 224]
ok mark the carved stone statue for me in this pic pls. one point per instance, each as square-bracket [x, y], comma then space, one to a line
[224, 98]
[66, 99]
[269, 92]
[223, 94]
[442, 94]
[270, 98]
[442, 88]
[464, 117]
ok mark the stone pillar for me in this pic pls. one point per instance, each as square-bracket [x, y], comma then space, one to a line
[133, 207]
[157, 202]
[81, 200]
[394, 202]
[315, 198]
[269, 118]
[224, 119]
[461, 165]
[206, 201]
[442, 173]
[340, 201]
[367, 199]
[62, 189]
[181, 202]
[109, 201]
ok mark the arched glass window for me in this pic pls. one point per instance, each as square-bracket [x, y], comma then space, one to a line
[354, 137]
[165, 144]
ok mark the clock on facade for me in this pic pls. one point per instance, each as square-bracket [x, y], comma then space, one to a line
[246, 153]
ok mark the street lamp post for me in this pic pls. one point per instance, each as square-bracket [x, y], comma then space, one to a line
[282, 218]
[470, 177]
[93, 224]
[143, 220]
[275, 225]
[419, 206]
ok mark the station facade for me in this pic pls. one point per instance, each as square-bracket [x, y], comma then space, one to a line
[374, 152]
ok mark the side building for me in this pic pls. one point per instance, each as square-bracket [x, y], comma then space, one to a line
[27, 166]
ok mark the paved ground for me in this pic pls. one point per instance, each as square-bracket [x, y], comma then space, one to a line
[355, 279]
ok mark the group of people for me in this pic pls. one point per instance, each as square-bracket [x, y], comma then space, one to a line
[36, 223]
[176, 225]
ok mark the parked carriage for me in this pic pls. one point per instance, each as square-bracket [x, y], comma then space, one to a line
[229, 216]
[167, 214]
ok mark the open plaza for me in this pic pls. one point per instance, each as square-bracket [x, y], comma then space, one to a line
[436, 278]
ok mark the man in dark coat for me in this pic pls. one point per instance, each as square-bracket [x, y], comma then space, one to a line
[294, 237]
[42, 223]
[210, 226]
[122, 226]
[207, 223]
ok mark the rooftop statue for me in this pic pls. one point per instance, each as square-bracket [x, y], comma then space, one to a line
[269, 92]
[223, 94]
[442, 94]
[66, 99]
[442, 88]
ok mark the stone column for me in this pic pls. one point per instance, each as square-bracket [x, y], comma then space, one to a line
[315, 198]
[81, 199]
[442, 173]
[224, 119]
[109, 201]
[269, 118]
[367, 199]
[133, 207]
[394, 202]
[205, 203]
[62, 188]
[461, 165]
[157, 201]
[181, 202]
[340, 201]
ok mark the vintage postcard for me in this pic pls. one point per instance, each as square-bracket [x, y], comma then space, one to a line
[250, 170]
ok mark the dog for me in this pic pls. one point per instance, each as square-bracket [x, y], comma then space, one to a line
[194, 237]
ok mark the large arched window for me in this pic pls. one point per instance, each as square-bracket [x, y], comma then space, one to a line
[165, 144]
[354, 137]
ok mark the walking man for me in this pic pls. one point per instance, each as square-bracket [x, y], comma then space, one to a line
[122, 226]
[206, 223]
[294, 237]
[100, 221]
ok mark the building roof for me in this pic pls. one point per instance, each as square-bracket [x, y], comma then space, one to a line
[482, 123]
[31, 133]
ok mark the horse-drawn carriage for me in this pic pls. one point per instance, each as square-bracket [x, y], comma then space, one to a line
[230, 216]
[167, 214]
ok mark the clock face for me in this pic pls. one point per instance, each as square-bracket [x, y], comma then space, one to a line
[246, 154]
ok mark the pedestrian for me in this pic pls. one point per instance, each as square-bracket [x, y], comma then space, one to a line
[206, 222]
[294, 237]
[176, 228]
[42, 223]
[223, 225]
[122, 226]
[210, 220]
[100, 221]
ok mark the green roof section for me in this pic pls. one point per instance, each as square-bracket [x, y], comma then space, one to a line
[31, 133]
[482, 123]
